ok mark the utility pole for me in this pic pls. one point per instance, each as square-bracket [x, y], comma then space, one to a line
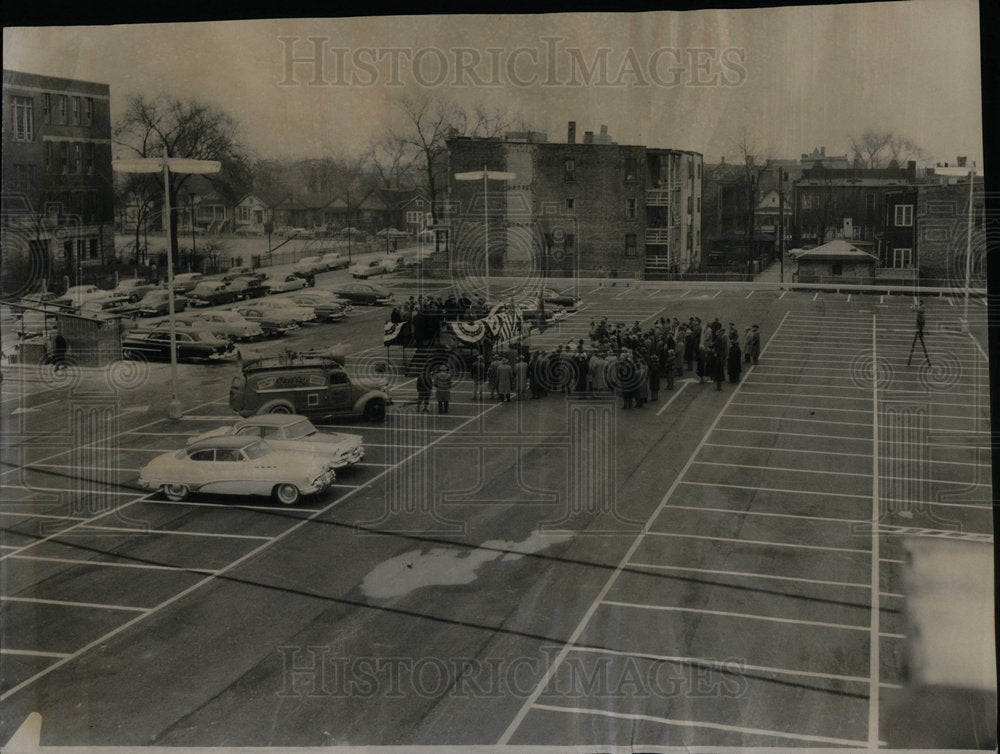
[781, 222]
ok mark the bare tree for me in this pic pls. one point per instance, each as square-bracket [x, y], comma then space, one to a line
[393, 161]
[172, 127]
[753, 165]
[879, 149]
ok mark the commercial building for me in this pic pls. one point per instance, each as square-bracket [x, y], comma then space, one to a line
[58, 196]
[592, 208]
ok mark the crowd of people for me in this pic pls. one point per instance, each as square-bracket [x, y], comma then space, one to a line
[629, 362]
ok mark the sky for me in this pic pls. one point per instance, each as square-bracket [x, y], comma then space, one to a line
[789, 79]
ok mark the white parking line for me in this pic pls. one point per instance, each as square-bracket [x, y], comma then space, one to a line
[672, 398]
[695, 724]
[110, 564]
[749, 294]
[779, 468]
[728, 614]
[178, 533]
[751, 575]
[67, 603]
[31, 653]
[789, 419]
[742, 512]
[759, 542]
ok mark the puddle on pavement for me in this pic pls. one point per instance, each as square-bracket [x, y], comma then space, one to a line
[447, 567]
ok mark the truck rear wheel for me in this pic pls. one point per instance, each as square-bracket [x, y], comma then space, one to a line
[375, 410]
[276, 407]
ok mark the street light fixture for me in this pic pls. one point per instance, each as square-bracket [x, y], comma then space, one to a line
[168, 165]
[971, 173]
[484, 175]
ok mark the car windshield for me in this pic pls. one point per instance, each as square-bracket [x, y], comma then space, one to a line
[302, 428]
[255, 450]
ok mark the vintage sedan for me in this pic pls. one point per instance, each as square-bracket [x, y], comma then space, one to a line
[311, 264]
[134, 288]
[363, 293]
[283, 283]
[186, 281]
[210, 293]
[237, 465]
[270, 322]
[296, 433]
[335, 261]
[247, 286]
[368, 268]
[229, 323]
[566, 301]
[156, 303]
[287, 308]
[328, 308]
[192, 345]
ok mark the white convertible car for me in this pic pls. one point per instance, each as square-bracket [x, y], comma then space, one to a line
[297, 434]
[237, 465]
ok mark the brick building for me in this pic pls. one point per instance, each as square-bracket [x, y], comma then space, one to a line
[590, 207]
[58, 195]
[941, 218]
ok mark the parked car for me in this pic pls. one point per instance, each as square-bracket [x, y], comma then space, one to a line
[242, 272]
[229, 323]
[328, 308]
[156, 303]
[363, 293]
[307, 384]
[270, 322]
[76, 296]
[192, 345]
[233, 465]
[566, 301]
[307, 276]
[186, 281]
[282, 283]
[287, 308]
[210, 293]
[394, 262]
[311, 264]
[247, 287]
[108, 305]
[134, 289]
[367, 269]
[334, 261]
[296, 433]
[187, 323]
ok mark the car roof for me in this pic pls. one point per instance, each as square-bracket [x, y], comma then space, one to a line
[223, 441]
[272, 420]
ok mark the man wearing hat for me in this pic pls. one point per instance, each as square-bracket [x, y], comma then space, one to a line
[753, 344]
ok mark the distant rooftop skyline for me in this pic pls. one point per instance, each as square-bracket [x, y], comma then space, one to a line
[795, 78]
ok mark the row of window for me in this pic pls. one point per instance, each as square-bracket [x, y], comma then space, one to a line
[632, 206]
[69, 158]
[631, 169]
[58, 109]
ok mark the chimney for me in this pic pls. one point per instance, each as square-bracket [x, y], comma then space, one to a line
[604, 130]
[588, 137]
[822, 151]
[571, 136]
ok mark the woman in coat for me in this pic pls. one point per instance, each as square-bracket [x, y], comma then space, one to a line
[735, 357]
[424, 387]
[654, 378]
[505, 378]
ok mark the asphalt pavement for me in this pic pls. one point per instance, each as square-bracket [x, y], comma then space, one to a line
[714, 569]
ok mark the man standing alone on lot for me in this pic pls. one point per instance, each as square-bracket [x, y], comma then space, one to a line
[443, 382]
[753, 344]
[919, 334]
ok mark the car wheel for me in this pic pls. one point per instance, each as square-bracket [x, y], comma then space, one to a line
[277, 407]
[175, 492]
[375, 410]
[287, 494]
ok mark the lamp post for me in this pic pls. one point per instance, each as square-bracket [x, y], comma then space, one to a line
[484, 175]
[971, 173]
[166, 165]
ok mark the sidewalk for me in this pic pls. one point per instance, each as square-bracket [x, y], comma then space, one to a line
[773, 273]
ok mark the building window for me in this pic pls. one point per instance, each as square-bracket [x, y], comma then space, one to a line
[570, 203]
[689, 205]
[78, 158]
[49, 159]
[24, 177]
[93, 248]
[63, 157]
[870, 201]
[837, 268]
[902, 258]
[697, 204]
[88, 160]
[569, 170]
[47, 108]
[62, 108]
[690, 163]
[630, 208]
[630, 168]
[699, 171]
[76, 111]
[413, 217]
[88, 111]
[630, 245]
[904, 215]
[244, 214]
[22, 112]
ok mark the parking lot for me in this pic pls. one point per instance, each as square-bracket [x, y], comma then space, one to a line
[717, 569]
